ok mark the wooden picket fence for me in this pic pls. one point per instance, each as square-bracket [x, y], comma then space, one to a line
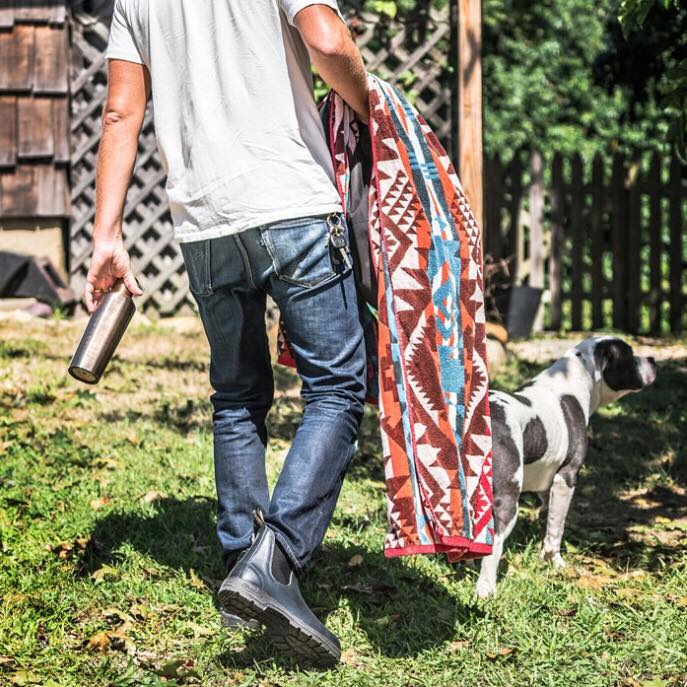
[605, 238]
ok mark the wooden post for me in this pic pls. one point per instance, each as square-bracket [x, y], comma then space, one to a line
[655, 244]
[557, 239]
[469, 104]
[577, 239]
[676, 238]
[537, 232]
[634, 251]
[596, 223]
[619, 238]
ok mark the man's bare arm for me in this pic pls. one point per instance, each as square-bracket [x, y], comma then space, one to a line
[335, 55]
[127, 95]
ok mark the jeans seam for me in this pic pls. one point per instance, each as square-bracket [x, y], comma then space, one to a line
[208, 269]
[246, 261]
[297, 221]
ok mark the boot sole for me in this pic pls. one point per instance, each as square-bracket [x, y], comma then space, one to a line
[287, 634]
[230, 621]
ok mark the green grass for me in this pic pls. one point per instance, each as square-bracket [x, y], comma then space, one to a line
[108, 560]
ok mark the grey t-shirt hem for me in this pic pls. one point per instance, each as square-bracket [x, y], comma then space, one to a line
[192, 233]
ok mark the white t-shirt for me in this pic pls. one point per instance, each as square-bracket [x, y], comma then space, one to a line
[236, 122]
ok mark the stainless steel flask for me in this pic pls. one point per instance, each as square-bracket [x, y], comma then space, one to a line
[104, 331]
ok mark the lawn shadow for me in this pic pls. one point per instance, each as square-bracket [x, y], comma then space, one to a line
[402, 610]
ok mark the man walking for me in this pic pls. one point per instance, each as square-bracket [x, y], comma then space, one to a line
[256, 211]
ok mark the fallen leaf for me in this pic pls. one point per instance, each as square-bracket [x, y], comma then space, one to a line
[358, 588]
[594, 581]
[352, 658]
[5, 660]
[152, 496]
[566, 612]
[134, 439]
[105, 573]
[24, 677]
[502, 652]
[10, 599]
[97, 504]
[460, 645]
[388, 619]
[355, 561]
[199, 630]
[99, 641]
[139, 612]
[116, 640]
[630, 593]
[196, 582]
[178, 670]
[114, 614]
[106, 463]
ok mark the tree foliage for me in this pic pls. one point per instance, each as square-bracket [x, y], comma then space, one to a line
[566, 75]
[636, 16]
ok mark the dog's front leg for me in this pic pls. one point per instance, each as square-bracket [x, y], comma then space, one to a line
[560, 496]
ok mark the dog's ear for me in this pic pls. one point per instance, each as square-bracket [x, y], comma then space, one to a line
[618, 366]
[609, 351]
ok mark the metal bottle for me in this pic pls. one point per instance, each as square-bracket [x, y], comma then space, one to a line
[104, 331]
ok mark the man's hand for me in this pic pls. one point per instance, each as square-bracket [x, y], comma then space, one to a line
[335, 56]
[109, 263]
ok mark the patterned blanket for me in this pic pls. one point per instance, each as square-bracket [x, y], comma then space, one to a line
[430, 330]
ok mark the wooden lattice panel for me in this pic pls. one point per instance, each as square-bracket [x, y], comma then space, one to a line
[413, 54]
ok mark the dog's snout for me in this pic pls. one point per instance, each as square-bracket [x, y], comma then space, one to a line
[647, 370]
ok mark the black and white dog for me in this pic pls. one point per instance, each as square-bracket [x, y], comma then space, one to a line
[540, 437]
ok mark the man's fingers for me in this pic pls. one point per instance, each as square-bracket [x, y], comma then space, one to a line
[92, 296]
[131, 284]
[88, 297]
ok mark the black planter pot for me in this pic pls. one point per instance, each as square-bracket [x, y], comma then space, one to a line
[518, 306]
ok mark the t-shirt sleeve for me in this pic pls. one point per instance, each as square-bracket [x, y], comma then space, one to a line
[292, 7]
[122, 43]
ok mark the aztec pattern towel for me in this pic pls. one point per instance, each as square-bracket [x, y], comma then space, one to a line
[430, 330]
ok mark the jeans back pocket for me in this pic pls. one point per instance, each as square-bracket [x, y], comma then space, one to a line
[300, 251]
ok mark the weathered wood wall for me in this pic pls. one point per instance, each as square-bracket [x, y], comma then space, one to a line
[606, 239]
[34, 110]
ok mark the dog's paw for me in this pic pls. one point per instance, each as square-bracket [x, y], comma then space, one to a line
[484, 590]
[553, 557]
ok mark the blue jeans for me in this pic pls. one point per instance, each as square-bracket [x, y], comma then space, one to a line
[230, 278]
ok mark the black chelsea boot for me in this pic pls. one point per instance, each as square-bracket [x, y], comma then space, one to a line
[263, 586]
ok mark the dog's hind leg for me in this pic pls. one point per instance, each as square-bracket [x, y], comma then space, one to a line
[560, 497]
[563, 487]
[486, 584]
